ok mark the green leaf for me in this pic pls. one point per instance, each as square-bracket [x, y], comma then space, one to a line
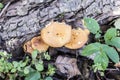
[48, 78]
[19, 68]
[33, 76]
[90, 49]
[47, 56]
[51, 70]
[111, 33]
[34, 54]
[1, 68]
[98, 35]
[101, 59]
[23, 64]
[13, 70]
[1, 5]
[112, 53]
[92, 25]
[16, 64]
[97, 66]
[117, 24]
[115, 42]
[26, 70]
[10, 66]
[39, 66]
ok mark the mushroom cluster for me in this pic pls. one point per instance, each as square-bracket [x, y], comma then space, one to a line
[56, 34]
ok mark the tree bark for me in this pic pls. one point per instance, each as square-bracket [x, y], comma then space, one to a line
[25, 18]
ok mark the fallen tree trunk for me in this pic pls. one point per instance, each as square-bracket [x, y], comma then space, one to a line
[25, 18]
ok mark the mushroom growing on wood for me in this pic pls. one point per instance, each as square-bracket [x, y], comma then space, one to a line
[28, 47]
[79, 38]
[56, 34]
[38, 43]
[87, 31]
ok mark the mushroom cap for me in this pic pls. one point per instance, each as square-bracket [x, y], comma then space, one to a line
[79, 38]
[38, 43]
[87, 31]
[28, 47]
[56, 34]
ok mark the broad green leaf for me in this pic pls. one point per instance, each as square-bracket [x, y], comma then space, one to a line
[90, 49]
[102, 59]
[92, 25]
[111, 33]
[111, 52]
[34, 54]
[48, 78]
[115, 42]
[33, 76]
[39, 66]
[117, 23]
[1, 5]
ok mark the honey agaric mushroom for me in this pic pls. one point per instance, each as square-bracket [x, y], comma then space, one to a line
[56, 34]
[28, 47]
[87, 31]
[79, 38]
[38, 43]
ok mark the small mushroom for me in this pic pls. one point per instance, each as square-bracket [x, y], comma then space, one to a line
[79, 38]
[56, 34]
[28, 47]
[38, 43]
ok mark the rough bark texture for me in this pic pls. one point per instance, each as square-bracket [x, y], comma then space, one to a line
[25, 18]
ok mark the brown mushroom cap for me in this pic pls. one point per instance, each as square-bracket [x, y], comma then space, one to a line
[28, 47]
[87, 31]
[38, 43]
[56, 34]
[79, 38]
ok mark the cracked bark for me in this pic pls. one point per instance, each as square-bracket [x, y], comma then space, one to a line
[25, 18]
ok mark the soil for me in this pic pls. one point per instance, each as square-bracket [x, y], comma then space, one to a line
[23, 19]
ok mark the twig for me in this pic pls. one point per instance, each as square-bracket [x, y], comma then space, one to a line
[109, 69]
[5, 8]
[98, 77]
